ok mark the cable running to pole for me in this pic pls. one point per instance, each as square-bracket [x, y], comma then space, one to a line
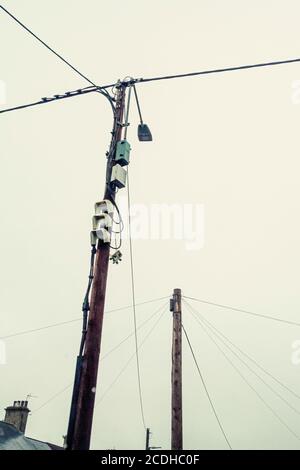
[278, 395]
[250, 386]
[242, 352]
[248, 312]
[167, 77]
[21, 333]
[132, 356]
[219, 70]
[134, 304]
[206, 389]
[113, 349]
[47, 46]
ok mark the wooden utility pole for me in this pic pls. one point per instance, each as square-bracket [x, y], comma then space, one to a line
[148, 439]
[85, 399]
[176, 439]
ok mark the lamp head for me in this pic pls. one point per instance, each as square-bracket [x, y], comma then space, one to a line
[144, 133]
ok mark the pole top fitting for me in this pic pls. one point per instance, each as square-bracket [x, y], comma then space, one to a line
[128, 81]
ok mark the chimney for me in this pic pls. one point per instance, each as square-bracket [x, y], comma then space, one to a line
[17, 415]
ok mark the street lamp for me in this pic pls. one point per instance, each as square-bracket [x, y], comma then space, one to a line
[144, 133]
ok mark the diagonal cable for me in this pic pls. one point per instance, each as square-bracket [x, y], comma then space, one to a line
[248, 312]
[244, 353]
[47, 45]
[250, 386]
[134, 305]
[53, 325]
[114, 348]
[278, 395]
[206, 389]
[220, 70]
[131, 357]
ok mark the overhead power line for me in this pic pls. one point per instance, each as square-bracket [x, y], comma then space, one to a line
[53, 325]
[57, 394]
[166, 77]
[151, 79]
[131, 357]
[220, 70]
[248, 312]
[114, 348]
[138, 327]
[47, 46]
[202, 320]
[270, 408]
[263, 369]
[34, 330]
[102, 90]
[206, 389]
[134, 305]
[46, 100]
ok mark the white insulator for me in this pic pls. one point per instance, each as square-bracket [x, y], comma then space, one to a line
[104, 206]
[104, 235]
[102, 221]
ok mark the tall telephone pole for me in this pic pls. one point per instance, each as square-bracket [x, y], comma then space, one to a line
[176, 438]
[83, 401]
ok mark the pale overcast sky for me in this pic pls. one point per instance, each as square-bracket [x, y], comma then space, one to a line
[229, 142]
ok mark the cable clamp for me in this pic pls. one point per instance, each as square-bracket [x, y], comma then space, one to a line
[86, 306]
